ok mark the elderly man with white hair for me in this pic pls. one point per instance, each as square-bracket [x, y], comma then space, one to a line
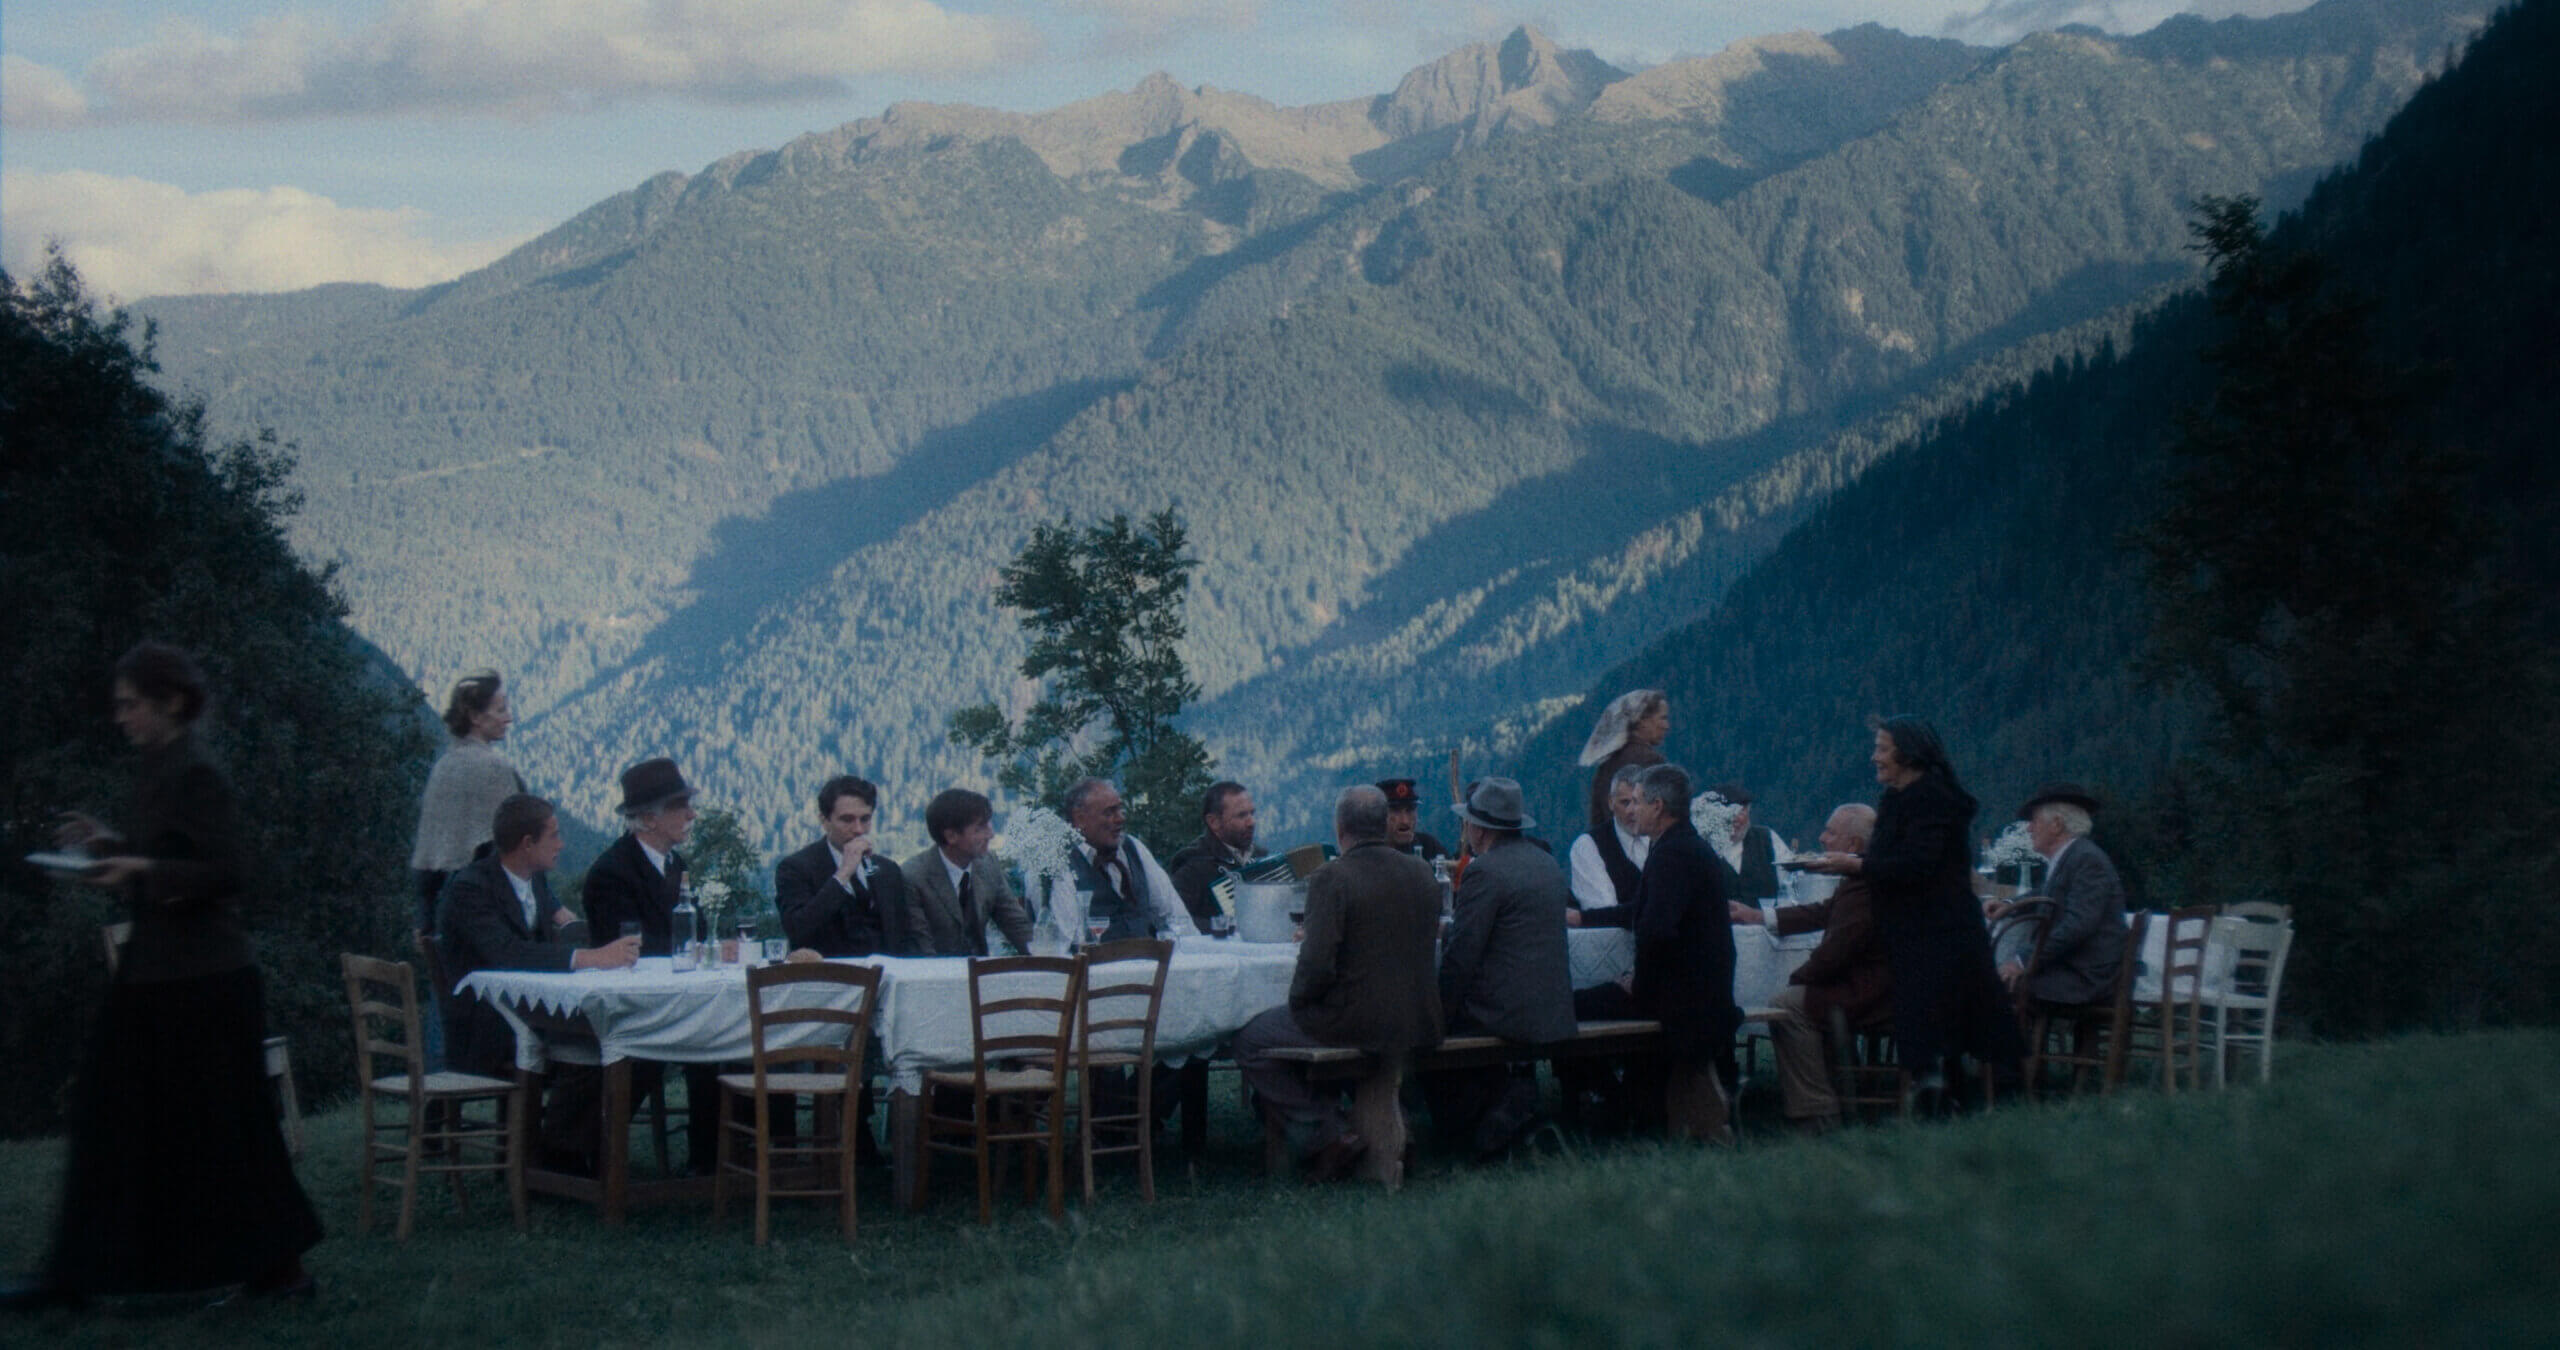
[2084, 936]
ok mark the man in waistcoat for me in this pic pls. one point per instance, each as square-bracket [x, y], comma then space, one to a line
[1605, 865]
[1751, 854]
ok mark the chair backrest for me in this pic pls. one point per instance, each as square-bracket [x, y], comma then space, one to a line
[2035, 916]
[2263, 911]
[115, 936]
[382, 997]
[1024, 1007]
[1128, 996]
[2255, 956]
[770, 1005]
[2137, 927]
[431, 955]
[2182, 956]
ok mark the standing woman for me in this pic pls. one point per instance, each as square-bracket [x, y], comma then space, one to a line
[464, 788]
[177, 1177]
[1631, 731]
[1947, 998]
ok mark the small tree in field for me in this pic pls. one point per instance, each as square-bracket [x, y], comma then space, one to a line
[1103, 607]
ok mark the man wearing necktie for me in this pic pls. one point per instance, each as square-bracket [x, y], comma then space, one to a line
[835, 897]
[956, 888]
[1126, 885]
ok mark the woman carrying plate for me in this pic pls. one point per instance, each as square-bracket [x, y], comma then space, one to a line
[177, 1177]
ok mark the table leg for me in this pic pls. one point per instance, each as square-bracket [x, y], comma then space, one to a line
[616, 1162]
[907, 1159]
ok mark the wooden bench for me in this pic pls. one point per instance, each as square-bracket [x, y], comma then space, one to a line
[1374, 1111]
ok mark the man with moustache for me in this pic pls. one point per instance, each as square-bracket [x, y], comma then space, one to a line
[1225, 845]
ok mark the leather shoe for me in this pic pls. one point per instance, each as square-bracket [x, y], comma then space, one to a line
[1335, 1160]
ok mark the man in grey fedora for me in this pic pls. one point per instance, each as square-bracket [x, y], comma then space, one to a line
[2084, 935]
[1503, 971]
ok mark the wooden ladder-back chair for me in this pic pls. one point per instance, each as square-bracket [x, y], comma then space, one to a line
[1865, 1073]
[1017, 1081]
[2240, 1006]
[832, 1079]
[2173, 1026]
[2111, 1023]
[2262, 911]
[1120, 1005]
[279, 1054]
[382, 998]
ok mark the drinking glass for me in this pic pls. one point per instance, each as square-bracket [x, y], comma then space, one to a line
[1222, 925]
[775, 949]
[1097, 925]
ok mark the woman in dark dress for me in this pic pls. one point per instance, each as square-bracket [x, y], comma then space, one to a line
[1947, 998]
[178, 1177]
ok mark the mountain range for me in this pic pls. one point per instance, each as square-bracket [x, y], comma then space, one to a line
[1467, 391]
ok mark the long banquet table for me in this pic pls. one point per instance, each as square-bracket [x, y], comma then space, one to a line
[652, 1012]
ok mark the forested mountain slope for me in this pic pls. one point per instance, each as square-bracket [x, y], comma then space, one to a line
[1465, 391]
[1986, 576]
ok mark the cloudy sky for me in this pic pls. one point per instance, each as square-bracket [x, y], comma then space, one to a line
[178, 146]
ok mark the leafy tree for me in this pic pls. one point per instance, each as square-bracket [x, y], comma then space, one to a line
[1103, 608]
[118, 521]
[719, 851]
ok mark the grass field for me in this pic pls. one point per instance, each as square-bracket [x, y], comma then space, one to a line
[2396, 1193]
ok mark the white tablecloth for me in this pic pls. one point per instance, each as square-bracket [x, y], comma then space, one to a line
[1761, 961]
[922, 1022]
[1212, 988]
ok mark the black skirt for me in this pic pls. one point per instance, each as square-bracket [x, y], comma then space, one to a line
[178, 1177]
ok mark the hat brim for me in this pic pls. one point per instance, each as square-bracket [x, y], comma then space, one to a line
[2083, 801]
[1524, 823]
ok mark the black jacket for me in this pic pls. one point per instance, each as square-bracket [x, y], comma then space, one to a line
[623, 888]
[870, 920]
[1684, 947]
[480, 926]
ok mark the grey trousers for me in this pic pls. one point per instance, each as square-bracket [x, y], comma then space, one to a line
[1313, 1114]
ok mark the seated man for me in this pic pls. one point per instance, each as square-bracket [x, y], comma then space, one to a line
[1606, 865]
[834, 896]
[1503, 973]
[1225, 845]
[496, 913]
[956, 887]
[1751, 855]
[1404, 821]
[1364, 978]
[1846, 973]
[1127, 887]
[2084, 937]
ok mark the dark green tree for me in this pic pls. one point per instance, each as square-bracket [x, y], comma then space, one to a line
[2321, 573]
[1103, 608]
[118, 521]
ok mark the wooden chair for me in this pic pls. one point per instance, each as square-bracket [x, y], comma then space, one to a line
[2110, 1023]
[834, 1085]
[382, 998]
[2261, 911]
[279, 1056]
[2172, 1028]
[2240, 1006]
[1128, 1005]
[1017, 1082]
[1865, 1075]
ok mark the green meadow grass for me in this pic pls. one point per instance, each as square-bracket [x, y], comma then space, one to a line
[2394, 1193]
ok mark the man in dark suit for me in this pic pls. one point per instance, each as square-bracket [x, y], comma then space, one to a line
[1225, 845]
[1847, 973]
[2084, 936]
[496, 913]
[835, 897]
[1504, 971]
[956, 887]
[1364, 977]
[1684, 955]
[639, 878]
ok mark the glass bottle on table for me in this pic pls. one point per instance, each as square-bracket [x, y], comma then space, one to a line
[686, 932]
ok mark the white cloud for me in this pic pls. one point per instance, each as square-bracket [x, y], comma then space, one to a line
[35, 96]
[530, 57]
[2005, 21]
[132, 238]
[1144, 25]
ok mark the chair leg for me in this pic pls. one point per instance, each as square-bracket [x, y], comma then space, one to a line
[846, 1122]
[986, 1165]
[720, 1161]
[1057, 1154]
[1147, 1134]
[1085, 1127]
[764, 1161]
[409, 1170]
[365, 1177]
[519, 1139]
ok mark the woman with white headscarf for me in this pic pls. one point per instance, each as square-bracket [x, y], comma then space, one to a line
[1631, 731]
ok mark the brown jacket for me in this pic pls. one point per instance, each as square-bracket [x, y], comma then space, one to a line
[1847, 971]
[1365, 973]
